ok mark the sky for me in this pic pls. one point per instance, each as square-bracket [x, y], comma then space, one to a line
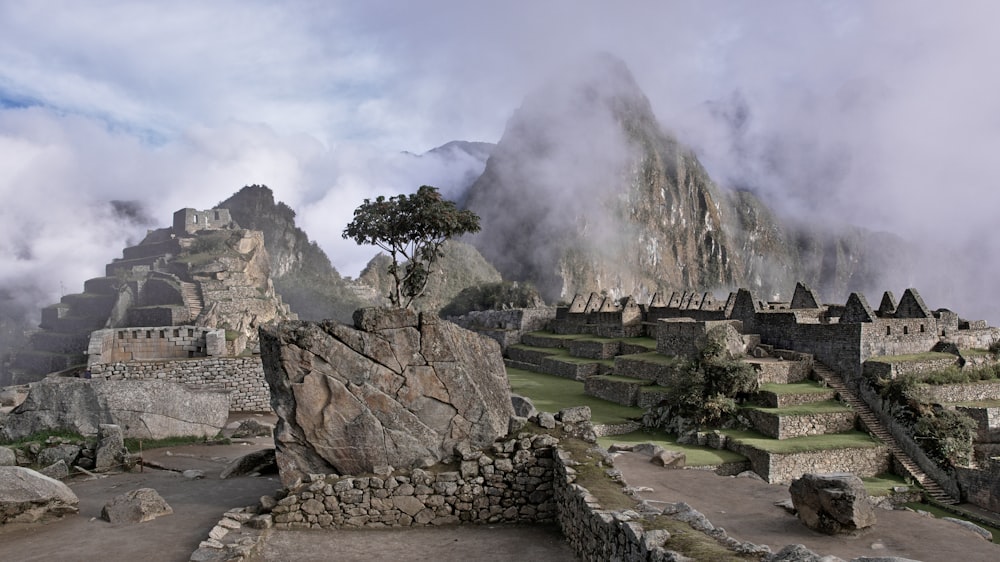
[882, 114]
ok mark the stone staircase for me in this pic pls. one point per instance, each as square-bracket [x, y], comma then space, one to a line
[874, 426]
[192, 299]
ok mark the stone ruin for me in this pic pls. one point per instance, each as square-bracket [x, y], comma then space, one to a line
[398, 389]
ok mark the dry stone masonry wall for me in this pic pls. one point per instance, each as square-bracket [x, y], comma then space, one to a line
[243, 377]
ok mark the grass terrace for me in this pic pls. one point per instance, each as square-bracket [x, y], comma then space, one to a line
[551, 394]
[824, 407]
[883, 484]
[655, 357]
[805, 387]
[912, 358]
[805, 444]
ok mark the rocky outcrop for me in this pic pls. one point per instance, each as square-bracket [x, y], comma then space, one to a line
[27, 496]
[397, 389]
[137, 506]
[832, 503]
[143, 409]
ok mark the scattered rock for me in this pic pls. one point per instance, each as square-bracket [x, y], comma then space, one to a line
[523, 406]
[403, 388]
[137, 506]
[193, 474]
[751, 475]
[546, 420]
[65, 452]
[111, 449]
[620, 447]
[253, 428]
[7, 457]
[832, 503]
[260, 462]
[648, 449]
[27, 496]
[576, 414]
[795, 553]
[669, 459]
[57, 470]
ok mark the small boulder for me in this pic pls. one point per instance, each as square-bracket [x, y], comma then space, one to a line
[57, 470]
[648, 449]
[252, 428]
[832, 503]
[576, 414]
[523, 406]
[7, 457]
[64, 452]
[546, 420]
[137, 506]
[111, 449]
[193, 474]
[669, 459]
[27, 496]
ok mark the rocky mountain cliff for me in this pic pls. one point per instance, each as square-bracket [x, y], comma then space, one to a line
[301, 271]
[586, 191]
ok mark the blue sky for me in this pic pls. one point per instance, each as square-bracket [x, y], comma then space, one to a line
[885, 114]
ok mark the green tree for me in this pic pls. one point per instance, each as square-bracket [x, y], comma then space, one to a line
[411, 228]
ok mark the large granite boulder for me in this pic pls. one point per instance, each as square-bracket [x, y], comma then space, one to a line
[398, 389]
[27, 496]
[832, 503]
[151, 409]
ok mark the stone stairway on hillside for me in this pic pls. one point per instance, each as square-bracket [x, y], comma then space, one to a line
[192, 299]
[932, 489]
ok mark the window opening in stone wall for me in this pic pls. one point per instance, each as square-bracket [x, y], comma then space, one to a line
[190, 332]
[177, 333]
[135, 334]
[906, 330]
[149, 334]
[194, 219]
[163, 333]
[122, 335]
[921, 328]
[888, 330]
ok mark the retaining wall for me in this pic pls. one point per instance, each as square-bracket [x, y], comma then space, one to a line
[967, 392]
[243, 376]
[790, 426]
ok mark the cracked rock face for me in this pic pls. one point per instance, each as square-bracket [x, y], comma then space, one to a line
[832, 503]
[151, 409]
[398, 389]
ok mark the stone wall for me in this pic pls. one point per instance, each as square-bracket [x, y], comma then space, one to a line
[789, 426]
[892, 369]
[968, 392]
[159, 342]
[771, 370]
[243, 376]
[506, 327]
[513, 482]
[783, 468]
[987, 422]
[981, 486]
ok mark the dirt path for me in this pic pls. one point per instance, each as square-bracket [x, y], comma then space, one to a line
[745, 509]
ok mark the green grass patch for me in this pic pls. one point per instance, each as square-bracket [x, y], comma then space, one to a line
[648, 343]
[609, 363]
[692, 543]
[824, 407]
[558, 336]
[547, 350]
[974, 352]
[43, 436]
[941, 512]
[696, 454]
[551, 394]
[913, 357]
[617, 378]
[591, 473]
[882, 484]
[806, 387]
[804, 444]
[654, 357]
[134, 445]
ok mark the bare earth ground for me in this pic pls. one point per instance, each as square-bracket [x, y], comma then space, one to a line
[745, 508]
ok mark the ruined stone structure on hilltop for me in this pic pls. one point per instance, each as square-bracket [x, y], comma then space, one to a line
[204, 271]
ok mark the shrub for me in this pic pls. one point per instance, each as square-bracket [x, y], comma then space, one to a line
[946, 436]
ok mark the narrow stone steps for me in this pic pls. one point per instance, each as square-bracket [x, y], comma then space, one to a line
[192, 299]
[874, 426]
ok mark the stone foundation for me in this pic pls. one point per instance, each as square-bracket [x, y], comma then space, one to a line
[788, 426]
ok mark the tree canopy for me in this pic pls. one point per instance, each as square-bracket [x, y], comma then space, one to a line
[411, 228]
